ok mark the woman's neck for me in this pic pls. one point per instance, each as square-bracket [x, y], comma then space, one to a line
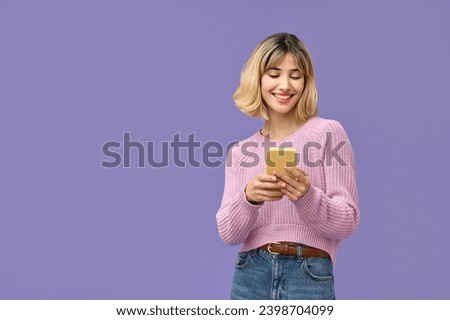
[278, 130]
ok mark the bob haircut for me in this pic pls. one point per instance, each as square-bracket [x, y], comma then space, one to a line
[268, 54]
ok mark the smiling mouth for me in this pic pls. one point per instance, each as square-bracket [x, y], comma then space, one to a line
[282, 97]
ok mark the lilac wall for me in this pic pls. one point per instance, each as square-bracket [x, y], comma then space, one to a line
[74, 75]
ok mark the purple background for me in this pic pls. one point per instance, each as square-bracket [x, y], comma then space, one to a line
[76, 74]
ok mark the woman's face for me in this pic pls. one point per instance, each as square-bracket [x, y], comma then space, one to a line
[282, 86]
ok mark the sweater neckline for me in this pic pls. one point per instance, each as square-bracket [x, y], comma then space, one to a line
[259, 137]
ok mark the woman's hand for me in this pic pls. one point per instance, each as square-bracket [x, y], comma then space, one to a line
[295, 184]
[263, 187]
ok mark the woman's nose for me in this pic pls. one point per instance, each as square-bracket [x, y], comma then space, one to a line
[284, 83]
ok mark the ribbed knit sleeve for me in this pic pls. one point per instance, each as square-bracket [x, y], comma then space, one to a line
[236, 216]
[332, 210]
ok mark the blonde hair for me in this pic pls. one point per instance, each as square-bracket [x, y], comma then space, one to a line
[269, 54]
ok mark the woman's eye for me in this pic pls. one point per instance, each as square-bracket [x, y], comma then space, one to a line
[274, 76]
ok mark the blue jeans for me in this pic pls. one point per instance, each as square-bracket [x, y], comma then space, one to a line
[260, 275]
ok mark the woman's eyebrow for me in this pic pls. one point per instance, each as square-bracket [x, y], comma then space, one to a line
[278, 69]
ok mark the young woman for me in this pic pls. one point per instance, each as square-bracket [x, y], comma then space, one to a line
[290, 224]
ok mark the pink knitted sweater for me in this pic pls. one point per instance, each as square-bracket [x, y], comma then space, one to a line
[324, 216]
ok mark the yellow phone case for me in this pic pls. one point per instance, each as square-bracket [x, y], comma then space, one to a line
[279, 158]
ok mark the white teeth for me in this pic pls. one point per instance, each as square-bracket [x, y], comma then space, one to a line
[282, 96]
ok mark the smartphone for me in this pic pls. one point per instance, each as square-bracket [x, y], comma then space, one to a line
[279, 158]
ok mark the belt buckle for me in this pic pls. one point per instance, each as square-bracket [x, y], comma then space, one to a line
[270, 251]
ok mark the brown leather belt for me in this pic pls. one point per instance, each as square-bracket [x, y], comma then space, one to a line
[290, 249]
